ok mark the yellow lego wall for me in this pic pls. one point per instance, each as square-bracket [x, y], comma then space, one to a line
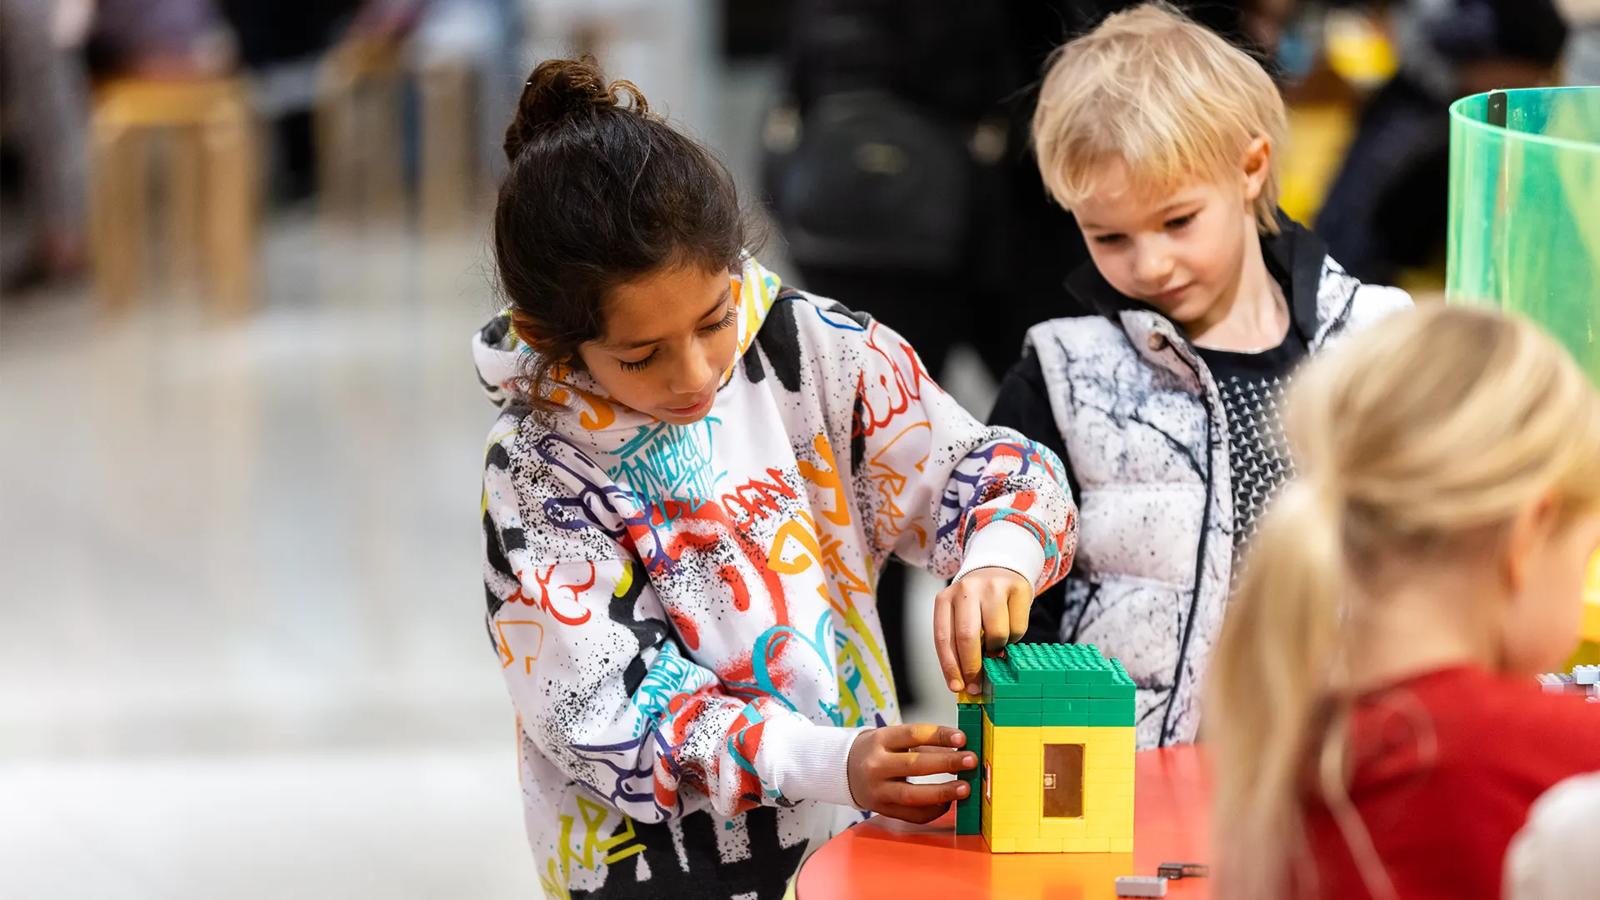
[1013, 800]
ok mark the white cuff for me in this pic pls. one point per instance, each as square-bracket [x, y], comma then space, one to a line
[809, 761]
[1005, 545]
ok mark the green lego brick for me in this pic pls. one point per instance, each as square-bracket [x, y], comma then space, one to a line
[1112, 712]
[1111, 691]
[1070, 712]
[1004, 692]
[1120, 705]
[1022, 704]
[1064, 689]
[1003, 683]
[1032, 663]
[1008, 718]
[969, 822]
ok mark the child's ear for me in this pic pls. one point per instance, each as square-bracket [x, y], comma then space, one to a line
[1529, 532]
[1257, 166]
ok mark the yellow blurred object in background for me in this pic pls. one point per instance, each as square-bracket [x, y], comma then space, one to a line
[1319, 134]
[1589, 651]
[1358, 50]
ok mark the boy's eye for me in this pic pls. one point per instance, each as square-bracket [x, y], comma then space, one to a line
[1180, 221]
[636, 365]
[1106, 240]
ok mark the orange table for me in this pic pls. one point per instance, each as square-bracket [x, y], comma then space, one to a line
[888, 858]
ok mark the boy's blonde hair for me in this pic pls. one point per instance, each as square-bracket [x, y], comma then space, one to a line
[1416, 442]
[1168, 97]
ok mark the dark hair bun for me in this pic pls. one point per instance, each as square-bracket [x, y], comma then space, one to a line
[562, 90]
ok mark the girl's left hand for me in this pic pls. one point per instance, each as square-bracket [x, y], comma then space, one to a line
[979, 614]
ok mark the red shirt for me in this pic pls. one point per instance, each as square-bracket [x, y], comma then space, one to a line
[1446, 765]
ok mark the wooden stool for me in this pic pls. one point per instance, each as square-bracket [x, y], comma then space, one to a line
[360, 171]
[360, 141]
[210, 184]
[448, 188]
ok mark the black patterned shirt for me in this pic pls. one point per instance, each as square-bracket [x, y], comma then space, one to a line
[1252, 387]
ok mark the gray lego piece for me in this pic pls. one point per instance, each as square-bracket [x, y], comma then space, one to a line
[1141, 886]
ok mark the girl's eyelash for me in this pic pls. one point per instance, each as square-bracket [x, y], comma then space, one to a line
[636, 366]
[726, 321]
[1181, 221]
[1108, 239]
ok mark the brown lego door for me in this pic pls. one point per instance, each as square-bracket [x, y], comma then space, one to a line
[1063, 780]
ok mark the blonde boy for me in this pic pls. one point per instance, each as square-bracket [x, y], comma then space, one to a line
[1162, 140]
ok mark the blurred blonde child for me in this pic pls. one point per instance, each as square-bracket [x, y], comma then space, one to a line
[1373, 719]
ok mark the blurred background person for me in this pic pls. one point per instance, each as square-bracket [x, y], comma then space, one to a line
[1581, 62]
[159, 39]
[1385, 211]
[42, 169]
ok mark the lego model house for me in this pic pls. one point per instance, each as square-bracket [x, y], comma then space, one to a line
[1054, 730]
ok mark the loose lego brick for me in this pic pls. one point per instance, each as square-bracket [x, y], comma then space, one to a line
[1174, 871]
[1554, 683]
[1141, 886]
[1586, 675]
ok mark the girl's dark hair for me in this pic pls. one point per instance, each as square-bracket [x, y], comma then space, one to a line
[599, 192]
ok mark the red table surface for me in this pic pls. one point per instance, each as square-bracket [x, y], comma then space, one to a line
[889, 858]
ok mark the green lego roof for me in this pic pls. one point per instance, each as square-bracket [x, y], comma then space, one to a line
[1054, 664]
[1057, 684]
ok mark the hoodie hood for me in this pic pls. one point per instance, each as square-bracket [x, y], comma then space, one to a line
[503, 359]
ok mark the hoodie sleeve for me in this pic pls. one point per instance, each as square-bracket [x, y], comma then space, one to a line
[597, 672]
[950, 493]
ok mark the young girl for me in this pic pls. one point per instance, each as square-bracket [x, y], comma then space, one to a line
[695, 480]
[1162, 140]
[1372, 712]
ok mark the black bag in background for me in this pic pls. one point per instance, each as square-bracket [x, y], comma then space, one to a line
[875, 182]
[882, 155]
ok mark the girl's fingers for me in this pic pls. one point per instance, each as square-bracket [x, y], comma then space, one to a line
[931, 761]
[905, 737]
[969, 635]
[1019, 603]
[904, 793]
[944, 639]
[996, 619]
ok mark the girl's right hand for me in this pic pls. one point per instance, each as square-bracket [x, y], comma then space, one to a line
[881, 759]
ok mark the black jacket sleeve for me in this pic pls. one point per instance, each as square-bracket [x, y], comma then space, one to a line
[1024, 404]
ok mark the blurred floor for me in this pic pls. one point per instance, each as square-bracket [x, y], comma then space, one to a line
[239, 641]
